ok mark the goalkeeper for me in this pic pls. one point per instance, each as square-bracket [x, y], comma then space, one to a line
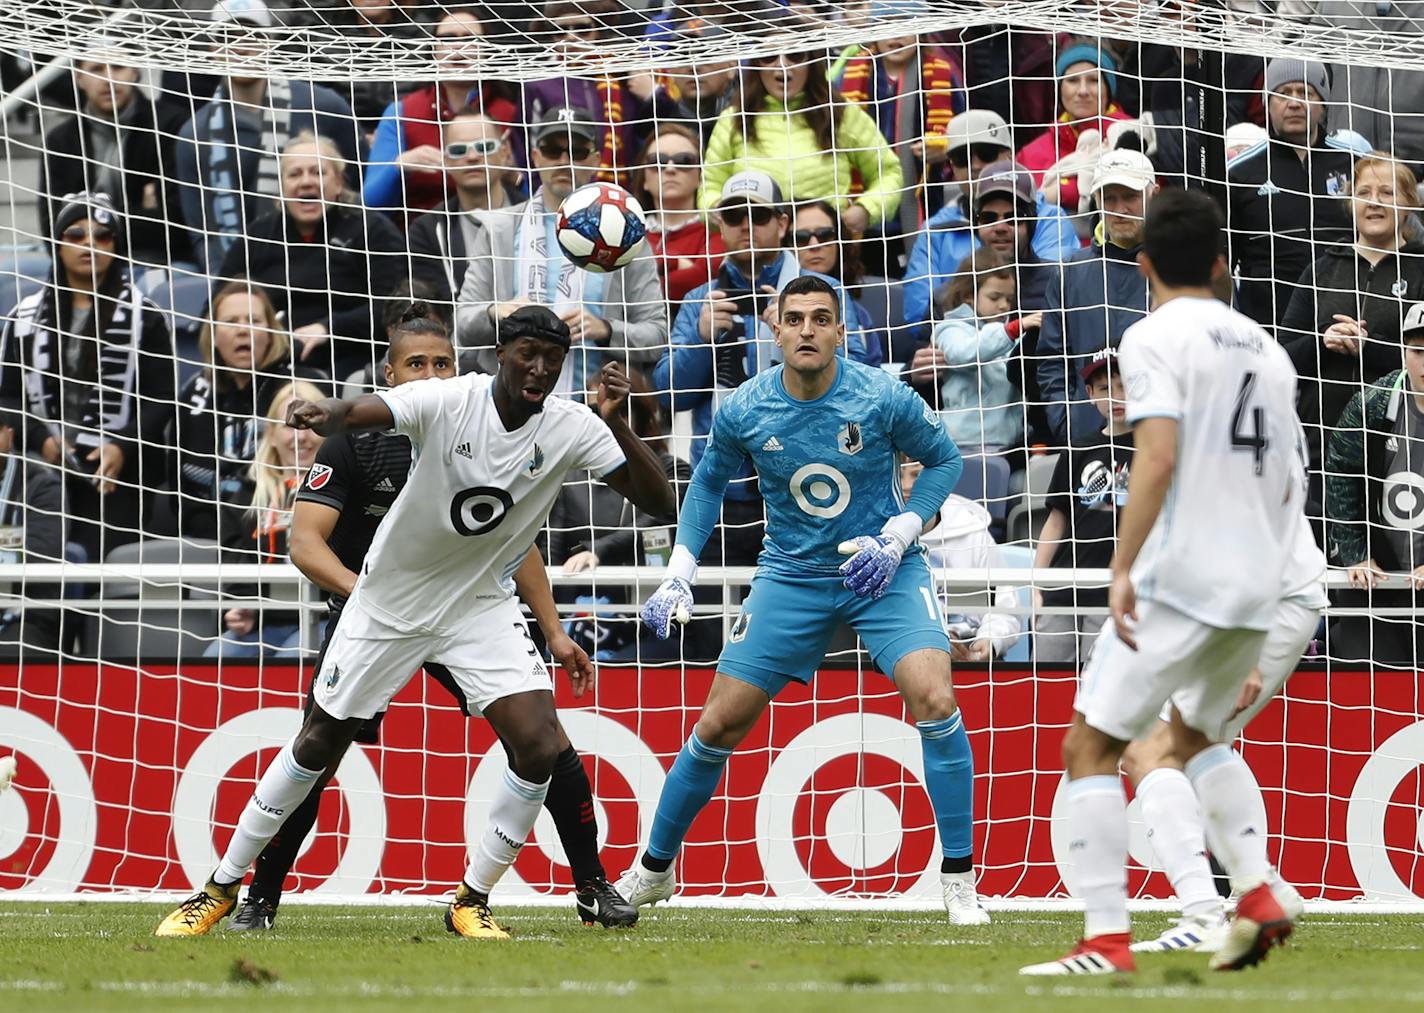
[822, 432]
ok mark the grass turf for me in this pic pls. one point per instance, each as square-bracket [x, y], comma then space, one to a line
[104, 957]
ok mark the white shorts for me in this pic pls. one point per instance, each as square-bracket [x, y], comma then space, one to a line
[367, 661]
[1200, 668]
[1295, 623]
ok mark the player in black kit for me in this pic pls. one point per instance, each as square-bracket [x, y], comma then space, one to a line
[356, 478]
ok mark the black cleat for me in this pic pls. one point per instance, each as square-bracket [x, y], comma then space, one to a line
[597, 901]
[254, 915]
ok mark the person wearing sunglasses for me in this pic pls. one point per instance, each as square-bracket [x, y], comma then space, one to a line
[816, 238]
[1087, 81]
[724, 334]
[478, 157]
[788, 122]
[687, 248]
[978, 139]
[516, 260]
[89, 360]
[407, 171]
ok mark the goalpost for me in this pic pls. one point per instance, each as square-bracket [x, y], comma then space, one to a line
[134, 750]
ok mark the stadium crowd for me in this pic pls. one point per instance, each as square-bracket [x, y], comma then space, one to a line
[975, 197]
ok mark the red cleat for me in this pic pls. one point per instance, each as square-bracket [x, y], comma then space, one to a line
[1260, 923]
[1105, 954]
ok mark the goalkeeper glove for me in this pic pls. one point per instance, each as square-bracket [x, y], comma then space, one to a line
[875, 558]
[673, 598]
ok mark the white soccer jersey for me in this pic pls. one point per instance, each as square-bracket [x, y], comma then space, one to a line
[475, 501]
[1220, 545]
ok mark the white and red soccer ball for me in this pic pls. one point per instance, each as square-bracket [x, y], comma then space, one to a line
[601, 227]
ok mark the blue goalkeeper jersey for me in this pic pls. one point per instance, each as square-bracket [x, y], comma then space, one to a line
[827, 469]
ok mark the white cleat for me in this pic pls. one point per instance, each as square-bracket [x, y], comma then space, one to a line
[1202, 933]
[642, 887]
[961, 901]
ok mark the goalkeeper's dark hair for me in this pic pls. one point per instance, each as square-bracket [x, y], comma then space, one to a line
[810, 284]
[1183, 237]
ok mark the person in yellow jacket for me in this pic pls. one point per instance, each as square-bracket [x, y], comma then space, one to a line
[792, 124]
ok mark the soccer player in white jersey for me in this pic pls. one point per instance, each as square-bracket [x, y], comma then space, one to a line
[1217, 475]
[491, 454]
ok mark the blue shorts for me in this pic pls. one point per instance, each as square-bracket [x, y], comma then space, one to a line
[786, 624]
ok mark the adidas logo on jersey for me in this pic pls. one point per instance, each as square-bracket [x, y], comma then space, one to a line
[385, 485]
[1391, 445]
[1268, 189]
[772, 444]
[464, 451]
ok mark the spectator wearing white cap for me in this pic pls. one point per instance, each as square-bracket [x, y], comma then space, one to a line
[1284, 194]
[226, 155]
[1097, 295]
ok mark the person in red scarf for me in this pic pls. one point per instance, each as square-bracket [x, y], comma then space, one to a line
[406, 171]
[668, 173]
[1087, 81]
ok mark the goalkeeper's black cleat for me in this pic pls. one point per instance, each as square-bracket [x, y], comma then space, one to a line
[597, 902]
[254, 915]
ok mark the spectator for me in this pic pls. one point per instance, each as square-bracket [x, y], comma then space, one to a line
[982, 407]
[330, 300]
[407, 171]
[279, 466]
[1097, 294]
[697, 94]
[246, 351]
[477, 155]
[912, 89]
[1088, 489]
[1087, 80]
[1047, 235]
[377, 24]
[226, 155]
[688, 251]
[89, 359]
[1373, 468]
[790, 123]
[33, 525]
[1342, 328]
[958, 538]
[1283, 195]
[820, 248]
[517, 261]
[121, 144]
[722, 336]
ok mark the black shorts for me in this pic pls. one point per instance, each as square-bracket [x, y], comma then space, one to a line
[370, 731]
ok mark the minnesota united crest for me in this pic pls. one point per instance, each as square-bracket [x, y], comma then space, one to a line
[739, 628]
[536, 463]
[849, 440]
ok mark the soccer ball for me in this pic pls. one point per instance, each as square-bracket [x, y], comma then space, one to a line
[601, 227]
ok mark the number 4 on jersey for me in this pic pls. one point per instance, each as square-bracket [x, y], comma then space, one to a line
[1255, 441]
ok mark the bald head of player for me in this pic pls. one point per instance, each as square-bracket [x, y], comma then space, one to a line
[1183, 248]
[810, 332]
[533, 342]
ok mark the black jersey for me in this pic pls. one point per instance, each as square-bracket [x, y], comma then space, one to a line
[360, 475]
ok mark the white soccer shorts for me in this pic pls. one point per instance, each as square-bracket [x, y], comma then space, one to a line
[1200, 668]
[490, 656]
[1295, 623]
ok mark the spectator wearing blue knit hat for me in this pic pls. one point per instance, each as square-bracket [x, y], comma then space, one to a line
[1087, 82]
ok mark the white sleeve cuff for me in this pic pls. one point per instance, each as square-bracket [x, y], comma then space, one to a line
[682, 564]
[904, 528]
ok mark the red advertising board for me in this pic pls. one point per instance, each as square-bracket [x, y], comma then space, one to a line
[132, 779]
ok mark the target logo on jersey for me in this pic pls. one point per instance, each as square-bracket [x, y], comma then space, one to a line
[601, 227]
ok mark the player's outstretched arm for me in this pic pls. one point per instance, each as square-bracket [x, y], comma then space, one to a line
[334, 415]
[1153, 462]
[642, 481]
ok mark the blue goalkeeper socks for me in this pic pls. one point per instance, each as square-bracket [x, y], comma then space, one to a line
[689, 787]
[949, 780]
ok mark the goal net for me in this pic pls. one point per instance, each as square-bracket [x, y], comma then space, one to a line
[208, 210]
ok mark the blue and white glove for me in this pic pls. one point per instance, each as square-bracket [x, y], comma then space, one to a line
[875, 558]
[672, 601]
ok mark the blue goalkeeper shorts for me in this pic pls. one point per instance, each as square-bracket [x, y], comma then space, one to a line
[786, 624]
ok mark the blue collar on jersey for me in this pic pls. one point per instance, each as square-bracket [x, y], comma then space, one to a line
[786, 394]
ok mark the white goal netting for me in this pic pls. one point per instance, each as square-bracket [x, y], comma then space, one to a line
[208, 209]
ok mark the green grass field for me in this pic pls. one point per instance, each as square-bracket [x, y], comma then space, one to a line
[103, 957]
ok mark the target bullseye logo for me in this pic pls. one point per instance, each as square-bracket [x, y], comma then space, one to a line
[266, 729]
[55, 853]
[820, 490]
[872, 831]
[1403, 501]
[615, 748]
[1384, 826]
